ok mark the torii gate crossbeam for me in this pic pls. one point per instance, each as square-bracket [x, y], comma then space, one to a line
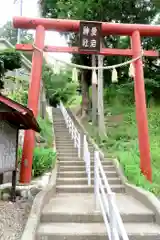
[135, 31]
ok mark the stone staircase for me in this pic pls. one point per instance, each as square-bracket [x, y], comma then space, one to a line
[71, 214]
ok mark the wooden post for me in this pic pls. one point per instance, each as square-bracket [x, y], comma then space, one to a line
[101, 122]
[94, 95]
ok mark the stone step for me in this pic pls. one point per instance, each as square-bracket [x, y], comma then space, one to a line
[64, 135]
[58, 120]
[64, 141]
[66, 153]
[59, 128]
[58, 116]
[70, 154]
[77, 181]
[81, 163]
[64, 158]
[61, 131]
[94, 231]
[62, 138]
[70, 174]
[68, 144]
[83, 168]
[66, 149]
[86, 189]
[59, 124]
[81, 208]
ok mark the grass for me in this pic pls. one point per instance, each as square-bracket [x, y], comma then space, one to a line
[46, 130]
[122, 142]
[43, 160]
[44, 157]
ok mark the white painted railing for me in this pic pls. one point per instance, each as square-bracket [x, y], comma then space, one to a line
[72, 129]
[105, 199]
[87, 160]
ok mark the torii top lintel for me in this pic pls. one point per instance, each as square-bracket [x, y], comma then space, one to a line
[64, 25]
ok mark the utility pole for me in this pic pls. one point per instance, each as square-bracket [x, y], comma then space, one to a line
[42, 97]
[21, 13]
[19, 30]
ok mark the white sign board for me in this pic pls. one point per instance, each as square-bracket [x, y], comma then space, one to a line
[8, 145]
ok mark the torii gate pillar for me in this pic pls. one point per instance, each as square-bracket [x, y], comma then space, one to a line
[33, 99]
[141, 112]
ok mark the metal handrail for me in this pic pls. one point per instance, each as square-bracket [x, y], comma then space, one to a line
[105, 198]
[87, 160]
[72, 129]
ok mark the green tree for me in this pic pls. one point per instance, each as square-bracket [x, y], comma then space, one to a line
[122, 11]
[156, 3]
[9, 60]
[58, 87]
[10, 33]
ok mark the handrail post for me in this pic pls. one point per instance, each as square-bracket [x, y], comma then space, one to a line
[96, 183]
[113, 225]
[89, 168]
[79, 145]
[84, 141]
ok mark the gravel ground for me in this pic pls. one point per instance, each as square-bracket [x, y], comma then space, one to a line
[13, 217]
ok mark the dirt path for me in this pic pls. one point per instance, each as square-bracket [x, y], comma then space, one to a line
[13, 217]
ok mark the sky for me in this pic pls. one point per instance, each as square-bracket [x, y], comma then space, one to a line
[30, 9]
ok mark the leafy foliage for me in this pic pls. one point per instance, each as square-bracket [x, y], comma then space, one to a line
[46, 131]
[19, 93]
[156, 3]
[44, 157]
[10, 33]
[9, 60]
[43, 160]
[122, 141]
[58, 87]
[121, 11]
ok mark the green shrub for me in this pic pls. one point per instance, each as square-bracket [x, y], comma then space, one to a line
[124, 93]
[46, 131]
[122, 143]
[43, 160]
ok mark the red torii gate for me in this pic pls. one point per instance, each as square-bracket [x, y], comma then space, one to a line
[135, 31]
